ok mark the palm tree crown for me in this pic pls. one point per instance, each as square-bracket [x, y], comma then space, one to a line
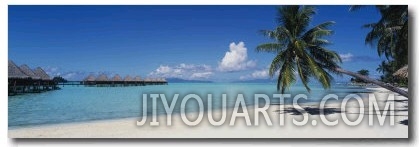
[390, 33]
[363, 72]
[300, 51]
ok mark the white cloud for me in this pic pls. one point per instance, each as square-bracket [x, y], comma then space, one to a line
[201, 75]
[163, 69]
[74, 75]
[236, 59]
[184, 71]
[262, 74]
[52, 71]
[257, 74]
[346, 57]
[68, 75]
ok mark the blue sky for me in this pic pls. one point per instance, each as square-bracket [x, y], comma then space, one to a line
[214, 43]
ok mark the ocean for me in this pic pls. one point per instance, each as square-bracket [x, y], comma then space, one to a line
[79, 103]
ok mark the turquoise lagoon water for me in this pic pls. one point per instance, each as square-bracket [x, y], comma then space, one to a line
[78, 104]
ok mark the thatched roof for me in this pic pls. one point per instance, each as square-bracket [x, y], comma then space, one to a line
[116, 78]
[15, 72]
[28, 71]
[161, 79]
[41, 73]
[137, 78]
[148, 79]
[128, 78]
[90, 78]
[102, 77]
[402, 72]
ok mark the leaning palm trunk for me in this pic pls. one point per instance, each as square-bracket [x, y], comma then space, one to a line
[379, 83]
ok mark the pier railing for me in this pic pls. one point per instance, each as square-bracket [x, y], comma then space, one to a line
[112, 83]
[28, 85]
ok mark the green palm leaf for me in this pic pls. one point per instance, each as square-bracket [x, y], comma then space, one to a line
[300, 50]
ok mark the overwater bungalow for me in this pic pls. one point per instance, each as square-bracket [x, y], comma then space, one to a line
[46, 82]
[28, 71]
[155, 81]
[89, 80]
[116, 78]
[24, 80]
[127, 80]
[137, 78]
[16, 79]
[117, 81]
[103, 81]
[402, 72]
[148, 79]
[31, 85]
[138, 81]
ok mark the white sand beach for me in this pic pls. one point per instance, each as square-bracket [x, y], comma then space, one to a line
[127, 128]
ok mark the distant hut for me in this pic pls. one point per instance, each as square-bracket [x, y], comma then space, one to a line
[90, 78]
[116, 78]
[137, 78]
[402, 72]
[15, 72]
[128, 81]
[162, 80]
[148, 79]
[46, 82]
[17, 79]
[28, 71]
[21, 79]
[128, 78]
[138, 81]
[41, 73]
[102, 78]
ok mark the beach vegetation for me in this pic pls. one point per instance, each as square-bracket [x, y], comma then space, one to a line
[59, 79]
[301, 51]
[389, 35]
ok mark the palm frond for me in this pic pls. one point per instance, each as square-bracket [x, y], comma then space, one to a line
[270, 47]
[300, 52]
[356, 7]
[277, 63]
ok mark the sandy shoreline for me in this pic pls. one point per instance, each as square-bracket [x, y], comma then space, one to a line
[127, 128]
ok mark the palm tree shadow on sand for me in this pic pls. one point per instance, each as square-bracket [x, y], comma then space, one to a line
[312, 111]
[328, 111]
[404, 122]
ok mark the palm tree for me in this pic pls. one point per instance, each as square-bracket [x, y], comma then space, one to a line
[301, 51]
[383, 67]
[390, 33]
[363, 72]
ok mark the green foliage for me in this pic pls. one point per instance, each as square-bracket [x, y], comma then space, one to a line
[387, 68]
[59, 79]
[300, 50]
[390, 36]
[362, 72]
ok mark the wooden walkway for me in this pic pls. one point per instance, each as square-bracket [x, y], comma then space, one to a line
[112, 83]
[21, 86]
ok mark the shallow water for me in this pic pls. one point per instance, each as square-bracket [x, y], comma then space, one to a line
[77, 104]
